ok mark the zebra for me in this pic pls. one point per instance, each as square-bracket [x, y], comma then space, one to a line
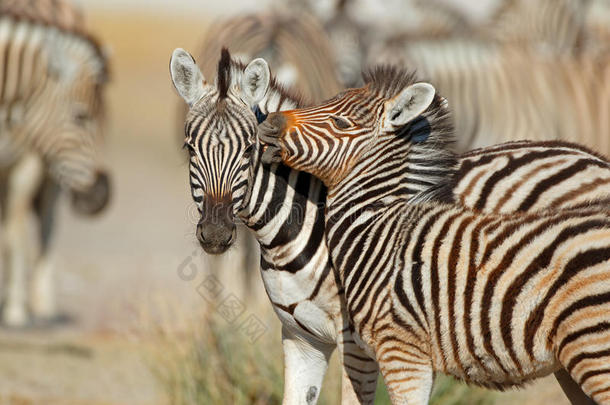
[51, 111]
[430, 286]
[274, 196]
[295, 47]
[507, 93]
[299, 51]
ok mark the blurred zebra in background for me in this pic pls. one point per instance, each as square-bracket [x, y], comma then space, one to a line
[552, 26]
[52, 76]
[353, 26]
[511, 91]
[298, 51]
[294, 46]
[597, 26]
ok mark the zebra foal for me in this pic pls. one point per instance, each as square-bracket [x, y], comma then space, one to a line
[51, 112]
[492, 299]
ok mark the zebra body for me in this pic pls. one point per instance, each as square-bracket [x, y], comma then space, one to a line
[295, 47]
[52, 74]
[492, 299]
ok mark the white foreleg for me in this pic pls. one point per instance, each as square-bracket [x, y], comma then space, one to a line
[42, 297]
[24, 180]
[305, 363]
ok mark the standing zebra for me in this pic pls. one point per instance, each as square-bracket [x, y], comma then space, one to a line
[284, 210]
[299, 51]
[492, 299]
[51, 112]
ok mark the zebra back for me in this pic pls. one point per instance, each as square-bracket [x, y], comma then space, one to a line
[551, 25]
[530, 176]
[295, 47]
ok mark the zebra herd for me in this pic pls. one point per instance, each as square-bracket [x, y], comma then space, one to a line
[375, 237]
[490, 266]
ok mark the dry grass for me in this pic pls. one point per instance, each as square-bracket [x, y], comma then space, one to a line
[205, 360]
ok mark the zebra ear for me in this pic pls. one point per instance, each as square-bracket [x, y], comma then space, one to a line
[255, 81]
[410, 103]
[186, 76]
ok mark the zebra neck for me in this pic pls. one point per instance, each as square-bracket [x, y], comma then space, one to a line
[398, 170]
[281, 203]
[270, 187]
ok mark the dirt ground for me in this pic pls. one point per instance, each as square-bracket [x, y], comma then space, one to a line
[110, 269]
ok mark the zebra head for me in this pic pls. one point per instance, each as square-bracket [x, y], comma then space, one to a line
[220, 134]
[329, 139]
[65, 121]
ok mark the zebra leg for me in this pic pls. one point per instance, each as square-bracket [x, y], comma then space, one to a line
[573, 392]
[583, 349]
[42, 296]
[359, 371]
[23, 182]
[408, 374]
[305, 363]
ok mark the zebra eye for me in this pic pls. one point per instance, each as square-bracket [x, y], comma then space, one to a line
[187, 146]
[341, 123]
[248, 151]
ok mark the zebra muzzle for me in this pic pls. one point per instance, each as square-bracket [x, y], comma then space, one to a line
[95, 199]
[269, 135]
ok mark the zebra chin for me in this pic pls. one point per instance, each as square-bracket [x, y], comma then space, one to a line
[93, 200]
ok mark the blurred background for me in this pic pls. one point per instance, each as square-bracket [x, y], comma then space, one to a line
[135, 328]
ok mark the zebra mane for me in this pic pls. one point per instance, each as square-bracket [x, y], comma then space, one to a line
[224, 74]
[60, 15]
[430, 136]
